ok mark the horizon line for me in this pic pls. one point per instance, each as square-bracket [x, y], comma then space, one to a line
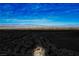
[31, 27]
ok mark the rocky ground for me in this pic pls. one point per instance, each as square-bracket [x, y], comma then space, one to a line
[55, 42]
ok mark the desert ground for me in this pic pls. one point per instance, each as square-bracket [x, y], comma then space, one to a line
[23, 42]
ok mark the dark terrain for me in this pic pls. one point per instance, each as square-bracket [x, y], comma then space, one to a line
[55, 42]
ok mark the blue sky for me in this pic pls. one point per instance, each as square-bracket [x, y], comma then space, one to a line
[48, 14]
